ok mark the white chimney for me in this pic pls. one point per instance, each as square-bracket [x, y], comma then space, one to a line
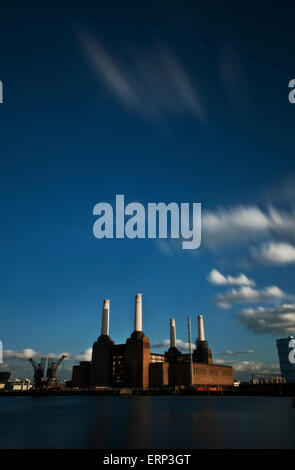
[138, 313]
[201, 328]
[172, 333]
[105, 317]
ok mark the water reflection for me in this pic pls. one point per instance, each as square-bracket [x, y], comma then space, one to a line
[147, 422]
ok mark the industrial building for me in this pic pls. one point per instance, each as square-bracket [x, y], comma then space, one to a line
[15, 385]
[268, 379]
[4, 378]
[133, 365]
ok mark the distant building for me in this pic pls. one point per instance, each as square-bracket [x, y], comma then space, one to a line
[4, 377]
[133, 365]
[267, 379]
[81, 375]
[285, 347]
[20, 385]
[17, 385]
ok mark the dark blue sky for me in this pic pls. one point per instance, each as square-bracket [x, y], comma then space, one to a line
[160, 101]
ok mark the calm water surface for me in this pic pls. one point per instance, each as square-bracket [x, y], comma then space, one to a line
[147, 422]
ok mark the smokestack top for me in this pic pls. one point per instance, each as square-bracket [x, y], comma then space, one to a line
[138, 313]
[201, 328]
[172, 333]
[105, 318]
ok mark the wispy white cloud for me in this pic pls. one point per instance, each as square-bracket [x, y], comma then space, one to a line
[228, 352]
[275, 321]
[246, 223]
[215, 277]
[233, 78]
[281, 192]
[24, 354]
[165, 247]
[184, 346]
[256, 367]
[277, 253]
[151, 82]
[247, 294]
[85, 356]
[250, 367]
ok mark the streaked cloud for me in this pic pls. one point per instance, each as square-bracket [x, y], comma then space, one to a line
[215, 277]
[151, 82]
[165, 247]
[277, 253]
[228, 352]
[24, 354]
[85, 356]
[275, 321]
[247, 294]
[256, 367]
[233, 78]
[246, 223]
[250, 367]
[184, 346]
[282, 191]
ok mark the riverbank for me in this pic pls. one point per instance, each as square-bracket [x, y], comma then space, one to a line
[243, 390]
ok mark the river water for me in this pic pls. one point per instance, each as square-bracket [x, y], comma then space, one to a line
[151, 422]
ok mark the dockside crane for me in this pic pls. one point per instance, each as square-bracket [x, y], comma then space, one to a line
[39, 369]
[52, 367]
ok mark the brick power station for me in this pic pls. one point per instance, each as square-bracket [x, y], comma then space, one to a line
[133, 365]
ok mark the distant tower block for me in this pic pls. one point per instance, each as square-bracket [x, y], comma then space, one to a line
[138, 313]
[285, 348]
[101, 362]
[202, 353]
[105, 318]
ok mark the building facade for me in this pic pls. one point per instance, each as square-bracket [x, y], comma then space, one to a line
[133, 365]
